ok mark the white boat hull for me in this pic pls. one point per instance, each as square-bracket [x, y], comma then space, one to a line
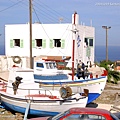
[95, 86]
[40, 107]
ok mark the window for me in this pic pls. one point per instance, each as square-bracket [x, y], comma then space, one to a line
[86, 41]
[38, 42]
[62, 114]
[84, 117]
[54, 65]
[50, 65]
[114, 117]
[57, 43]
[89, 41]
[16, 43]
[40, 65]
[47, 65]
[96, 117]
[73, 117]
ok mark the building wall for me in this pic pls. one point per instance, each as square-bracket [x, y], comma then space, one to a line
[86, 32]
[49, 32]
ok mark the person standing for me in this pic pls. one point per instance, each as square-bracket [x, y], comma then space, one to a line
[83, 66]
[83, 70]
[80, 70]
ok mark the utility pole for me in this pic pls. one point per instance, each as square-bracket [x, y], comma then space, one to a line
[30, 19]
[106, 28]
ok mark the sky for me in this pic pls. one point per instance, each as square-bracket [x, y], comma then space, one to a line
[97, 13]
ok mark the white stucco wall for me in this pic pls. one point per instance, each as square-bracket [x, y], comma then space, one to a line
[47, 32]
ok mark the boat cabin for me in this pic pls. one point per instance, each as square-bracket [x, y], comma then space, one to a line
[43, 65]
[47, 70]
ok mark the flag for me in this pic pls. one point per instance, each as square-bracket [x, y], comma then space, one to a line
[78, 41]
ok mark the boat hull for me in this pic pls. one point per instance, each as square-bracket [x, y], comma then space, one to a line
[40, 107]
[95, 86]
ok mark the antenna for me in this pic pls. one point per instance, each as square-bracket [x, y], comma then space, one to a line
[60, 20]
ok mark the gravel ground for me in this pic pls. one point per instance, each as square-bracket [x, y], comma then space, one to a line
[7, 115]
[108, 96]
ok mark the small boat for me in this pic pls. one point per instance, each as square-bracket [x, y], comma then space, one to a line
[48, 76]
[22, 94]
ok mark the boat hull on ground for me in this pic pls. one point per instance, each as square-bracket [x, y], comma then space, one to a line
[40, 107]
[95, 86]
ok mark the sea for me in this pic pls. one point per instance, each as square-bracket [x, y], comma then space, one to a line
[100, 53]
[113, 53]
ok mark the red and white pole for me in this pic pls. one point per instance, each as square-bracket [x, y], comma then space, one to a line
[73, 44]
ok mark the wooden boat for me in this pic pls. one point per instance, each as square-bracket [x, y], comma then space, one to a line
[22, 94]
[48, 76]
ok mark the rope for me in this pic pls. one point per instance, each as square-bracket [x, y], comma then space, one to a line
[3, 79]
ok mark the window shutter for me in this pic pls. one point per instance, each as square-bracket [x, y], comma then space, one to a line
[33, 44]
[44, 43]
[21, 43]
[11, 43]
[51, 43]
[88, 52]
[62, 43]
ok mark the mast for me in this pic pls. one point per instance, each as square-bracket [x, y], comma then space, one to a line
[74, 30]
[30, 19]
[73, 60]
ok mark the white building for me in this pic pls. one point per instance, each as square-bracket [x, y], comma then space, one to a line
[51, 40]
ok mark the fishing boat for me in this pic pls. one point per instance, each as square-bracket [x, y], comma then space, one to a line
[49, 77]
[23, 95]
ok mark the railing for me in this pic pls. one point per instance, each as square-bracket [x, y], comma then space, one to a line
[28, 92]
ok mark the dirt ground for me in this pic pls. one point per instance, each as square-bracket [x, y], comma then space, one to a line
[108, 96]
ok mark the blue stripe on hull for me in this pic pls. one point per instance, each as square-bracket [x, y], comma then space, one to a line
[31, 111]
[63, 81]
[51, 77]
[92, 97]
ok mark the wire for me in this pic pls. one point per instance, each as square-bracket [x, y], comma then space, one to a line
[49, 11]
[10, 6]
[46, 32]
[40, 22]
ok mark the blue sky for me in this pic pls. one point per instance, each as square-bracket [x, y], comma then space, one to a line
[101, 12]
